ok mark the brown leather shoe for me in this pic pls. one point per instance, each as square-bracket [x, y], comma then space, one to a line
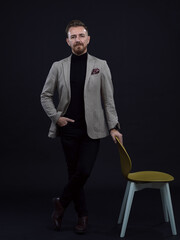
[81, 226]
[57, 214]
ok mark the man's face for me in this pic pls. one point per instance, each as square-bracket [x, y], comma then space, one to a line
[78, 40]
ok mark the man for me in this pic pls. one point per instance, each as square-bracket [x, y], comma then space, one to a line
[85, 113]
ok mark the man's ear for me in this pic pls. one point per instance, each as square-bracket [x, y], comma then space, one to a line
[67, 40]
[89, 39]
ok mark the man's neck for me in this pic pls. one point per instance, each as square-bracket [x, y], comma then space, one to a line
[79, 54]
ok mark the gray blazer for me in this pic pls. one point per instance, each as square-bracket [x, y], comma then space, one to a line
[100, 112]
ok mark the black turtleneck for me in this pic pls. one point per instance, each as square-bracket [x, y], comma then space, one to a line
[75, 110]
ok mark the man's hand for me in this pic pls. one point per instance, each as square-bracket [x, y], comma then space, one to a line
[63, 121]
[115, 133]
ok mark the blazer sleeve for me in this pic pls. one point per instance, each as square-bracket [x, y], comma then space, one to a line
[107, 93]
[48, 93]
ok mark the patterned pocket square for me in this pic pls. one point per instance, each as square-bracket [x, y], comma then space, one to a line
[95, 71]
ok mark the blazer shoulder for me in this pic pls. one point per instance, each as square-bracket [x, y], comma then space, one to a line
[96, 59]
[60, 62]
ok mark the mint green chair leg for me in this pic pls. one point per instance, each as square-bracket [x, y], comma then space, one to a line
[128, 208]
[123, 206]
[128, 199]
[170, 208]
[163, 198]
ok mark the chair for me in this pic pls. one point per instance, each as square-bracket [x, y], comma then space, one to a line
[137, 181]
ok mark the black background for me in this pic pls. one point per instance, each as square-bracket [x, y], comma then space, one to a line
[140, 42]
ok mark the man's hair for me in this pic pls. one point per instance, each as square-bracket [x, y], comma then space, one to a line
[75, 23]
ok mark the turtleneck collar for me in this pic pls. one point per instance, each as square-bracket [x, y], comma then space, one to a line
[80, 57]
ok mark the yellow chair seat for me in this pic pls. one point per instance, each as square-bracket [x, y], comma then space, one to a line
[150, 176]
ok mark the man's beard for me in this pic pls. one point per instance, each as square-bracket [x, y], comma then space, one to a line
[79, 48]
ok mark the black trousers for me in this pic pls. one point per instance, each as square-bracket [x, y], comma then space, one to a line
[80, 154]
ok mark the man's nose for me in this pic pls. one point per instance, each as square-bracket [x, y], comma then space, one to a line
[77, 39]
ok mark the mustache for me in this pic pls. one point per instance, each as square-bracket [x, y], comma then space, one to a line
[78, 44]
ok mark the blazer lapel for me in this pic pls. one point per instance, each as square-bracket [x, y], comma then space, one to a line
[67, 68]
[90, 64]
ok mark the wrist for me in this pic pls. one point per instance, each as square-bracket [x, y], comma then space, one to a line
[117, 128]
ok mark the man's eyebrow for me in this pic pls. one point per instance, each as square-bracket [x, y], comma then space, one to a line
[80, 34]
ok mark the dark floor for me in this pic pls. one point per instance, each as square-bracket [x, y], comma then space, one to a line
[27, 217]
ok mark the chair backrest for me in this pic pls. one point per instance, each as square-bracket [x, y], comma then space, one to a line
[126, 164]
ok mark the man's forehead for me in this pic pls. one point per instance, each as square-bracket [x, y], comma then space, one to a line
[76, 30]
